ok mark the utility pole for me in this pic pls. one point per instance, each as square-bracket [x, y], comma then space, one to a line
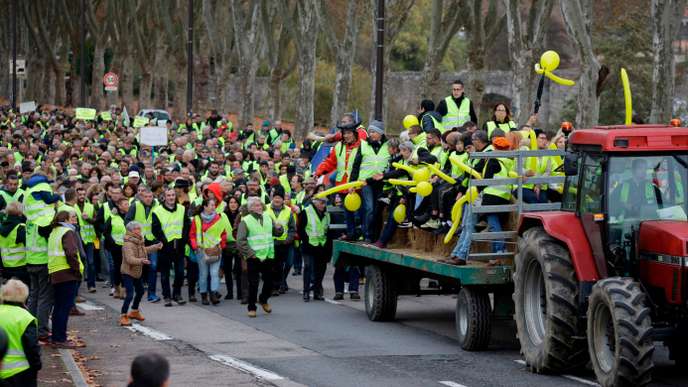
[189, 56]
[82, 53]
[379, 65]
[13, 28]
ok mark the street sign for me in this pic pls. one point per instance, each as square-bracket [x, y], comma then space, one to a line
[110, 81]
[21, 67]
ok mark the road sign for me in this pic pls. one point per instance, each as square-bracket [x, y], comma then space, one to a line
[110, 81]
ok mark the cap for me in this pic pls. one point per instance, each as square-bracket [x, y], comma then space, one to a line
[182, 183]
[376, 126]
[278, 191]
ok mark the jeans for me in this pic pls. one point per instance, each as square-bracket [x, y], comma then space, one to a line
[286, 267]
[281, 255]
[203, 270]
[314, 268]
[463, 245]
[256, 270]
[494, 225]
[132, 285]
[41, 297]
[105, 261]
[341, 274]
[297, 260]
[116, 272]
[65, 293]
[90, 265]
[350, 222]
[367, 211]
[152, 273]
[529, 196]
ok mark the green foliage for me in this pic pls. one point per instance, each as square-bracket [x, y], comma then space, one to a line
[411, 44]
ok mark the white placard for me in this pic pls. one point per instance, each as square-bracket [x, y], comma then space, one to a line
[27, 107]
[153, 136]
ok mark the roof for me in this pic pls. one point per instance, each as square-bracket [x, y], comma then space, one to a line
[636, 138]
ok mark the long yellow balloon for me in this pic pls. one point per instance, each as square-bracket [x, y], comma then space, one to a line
[406, 168]
[454, 160]
[531, 162]
[553, 77]
[409, 183]
[628, 99]
[343, 187]
[441, 174]
[457, 211]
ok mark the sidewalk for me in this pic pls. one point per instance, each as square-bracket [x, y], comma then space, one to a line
[54, 372]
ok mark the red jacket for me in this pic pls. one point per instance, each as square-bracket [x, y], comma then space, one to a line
[205, 227]
[330, 163]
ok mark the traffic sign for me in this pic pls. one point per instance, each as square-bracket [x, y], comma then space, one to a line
[110, 81]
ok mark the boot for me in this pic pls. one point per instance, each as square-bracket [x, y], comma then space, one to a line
[124, 321]
[192, 297]
[214, 299]
[204, 299]
[135, 314]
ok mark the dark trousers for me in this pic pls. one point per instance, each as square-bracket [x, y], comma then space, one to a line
[314, 268]
[348, 274]
[258, 269]
[168, 259]
[27, 378]
[529, 196]
[231, 266]
[19, 273]
[41, 297]
[391, 225]
[192, 276]
[90, 265]
[116, 252]
[134, 287]
[280, 261]
[65, 293]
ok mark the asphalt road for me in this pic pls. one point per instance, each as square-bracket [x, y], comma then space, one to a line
[334, 344]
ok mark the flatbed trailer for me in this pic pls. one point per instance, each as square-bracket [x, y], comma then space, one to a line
[484, 290]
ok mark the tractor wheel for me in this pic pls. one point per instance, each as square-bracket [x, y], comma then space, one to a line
[380, 294]
[545, 298]
[473, 319]
[620, 333]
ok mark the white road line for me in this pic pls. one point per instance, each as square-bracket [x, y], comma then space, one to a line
[570, 377]
[72, 368]
[88, 306]
[332, 302]
[246, 367]
[451, 384]
[152, 333]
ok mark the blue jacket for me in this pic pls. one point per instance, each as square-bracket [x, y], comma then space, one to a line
[47, 197]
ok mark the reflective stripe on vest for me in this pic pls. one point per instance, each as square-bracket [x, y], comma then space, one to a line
[36, 246]
[14, 320]
[145, 220]
[172, 223]
[11, 198]
[213, 235]
[38, 211]
[259, 236]
[456, 116]
[344, 165]
[316, 229]
[506, 127]
[57, 260]
[502, 191]
[284, 182]
[87, 231]
[282, 218]
[117, 229]
[13, 254]
[373, 163]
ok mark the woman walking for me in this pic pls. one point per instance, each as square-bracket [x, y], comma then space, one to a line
[231, 262]
[208, 235]
[134, 256]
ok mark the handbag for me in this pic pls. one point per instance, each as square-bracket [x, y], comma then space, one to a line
[211, 254]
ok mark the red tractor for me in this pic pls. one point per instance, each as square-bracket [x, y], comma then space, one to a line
[606, 277]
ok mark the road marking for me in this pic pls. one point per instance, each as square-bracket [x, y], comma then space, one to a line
[451, 384]
[88, 306]
[246, 367]
[570, 377]
[332, 302]
[72, 368]
[152, 333]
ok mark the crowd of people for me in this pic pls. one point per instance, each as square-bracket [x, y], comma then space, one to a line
[83, 201]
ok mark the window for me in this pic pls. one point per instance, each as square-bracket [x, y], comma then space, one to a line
[592, 186]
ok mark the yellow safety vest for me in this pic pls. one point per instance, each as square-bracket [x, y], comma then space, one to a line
[37, 211]
[88, 232]
[57, 260]
[145, 220]
[282, 218]
[456, 116]
[14, 320]
[212, 236]
[172, 222]
[259, 236]
[502, 191]
[316, 228]
[344, 165]
[373, 163]
[118, 229]
[13, 253]
[506, 127]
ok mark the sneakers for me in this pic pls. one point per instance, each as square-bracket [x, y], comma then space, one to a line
[252, 313]
[354, 296]
[168, 302]
[405, 224]
[179, 300]
[318, 297]
[92, 290]
[338, 296]
[124, 321]
[384, 200]
[153, 298]
[79, 300]
[135, 314]
[193, 298]
[431, 224]
[112, 292]
[229, 296]
[76, 312]
[266, 308]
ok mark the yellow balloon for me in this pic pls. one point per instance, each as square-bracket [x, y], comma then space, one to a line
[441, 174]
[421, 174]
[455, 160]
[405, 167]
[628, 99]
[410, 120]
[559, 80]
[549, 61]
[341, 187]
[423, 189]
[352, 202]
[409, 183]
[399, 213]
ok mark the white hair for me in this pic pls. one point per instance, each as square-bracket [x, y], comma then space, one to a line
[253, 200]
[133, 225]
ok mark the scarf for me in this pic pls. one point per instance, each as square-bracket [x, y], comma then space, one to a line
[207, 218]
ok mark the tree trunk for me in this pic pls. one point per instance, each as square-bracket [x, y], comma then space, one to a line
[247, 85]
[180, 91]
[666, 15]
[127, 83]
[305, 25]
[578, 18]
[275, 96]
[246, 42]
[145, 90]
[97, 96]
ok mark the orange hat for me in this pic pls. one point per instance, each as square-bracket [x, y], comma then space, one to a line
[501, 143]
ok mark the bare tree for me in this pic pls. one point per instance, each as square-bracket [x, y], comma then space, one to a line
[343, 52]
[246, 21]
[220, 31]
[99, 26]
[445, 20]
[666, 15]
[578, 18]
[525, 42]
[304, 27]
[280, 63]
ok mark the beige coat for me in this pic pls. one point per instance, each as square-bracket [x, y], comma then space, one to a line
[134, 252]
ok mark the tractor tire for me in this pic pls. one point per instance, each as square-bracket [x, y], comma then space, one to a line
[546, 311]
[620, 333]
[473, 319]
[380, 294]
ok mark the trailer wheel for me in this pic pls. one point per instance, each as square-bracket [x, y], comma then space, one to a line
[545, 298]
[380, 294]
[620, 333]
[473, 319]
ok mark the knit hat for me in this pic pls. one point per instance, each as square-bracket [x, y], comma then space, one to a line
[278, 191]
[266, 124]
[501, 143]
[376, 126]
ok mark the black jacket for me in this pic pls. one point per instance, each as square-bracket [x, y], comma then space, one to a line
[442, 108]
